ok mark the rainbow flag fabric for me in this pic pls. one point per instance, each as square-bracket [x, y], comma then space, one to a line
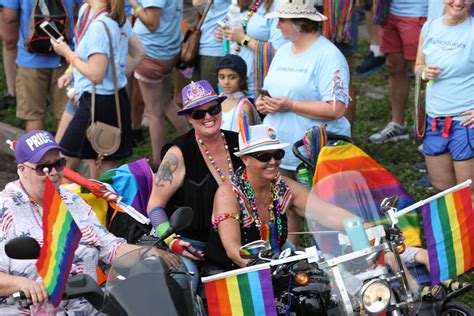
[347, 177]
[61, 237]
[249, 293]
[449, 230]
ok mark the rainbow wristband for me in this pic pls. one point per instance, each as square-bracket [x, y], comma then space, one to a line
[159, 220]
[137, 10]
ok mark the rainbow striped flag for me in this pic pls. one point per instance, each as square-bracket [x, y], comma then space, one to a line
[449, 230]
[248, 293]
[60, 240]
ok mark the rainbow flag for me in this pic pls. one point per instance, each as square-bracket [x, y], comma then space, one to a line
[347, 177]
[60, 240]
[249, 293]
[449, 230]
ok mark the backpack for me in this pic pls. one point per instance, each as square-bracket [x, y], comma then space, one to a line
[53, 11]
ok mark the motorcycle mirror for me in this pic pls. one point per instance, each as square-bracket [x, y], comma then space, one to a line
[181, 218]
[388, 203]
[23, 248]
[253, 249]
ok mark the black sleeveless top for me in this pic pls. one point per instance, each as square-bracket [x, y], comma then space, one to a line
[199, 185]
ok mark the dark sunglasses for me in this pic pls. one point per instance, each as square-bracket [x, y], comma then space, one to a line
[265, 156]
[200, 114]
[58, 165]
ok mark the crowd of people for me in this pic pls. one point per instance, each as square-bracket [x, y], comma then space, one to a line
[260, 81]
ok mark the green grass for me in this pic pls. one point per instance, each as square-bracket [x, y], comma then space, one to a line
[373, 112]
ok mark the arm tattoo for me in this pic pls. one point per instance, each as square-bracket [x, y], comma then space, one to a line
[166, 170]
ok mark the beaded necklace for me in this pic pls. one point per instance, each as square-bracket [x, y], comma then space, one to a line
[213, 162]
[35, 207]
[250, 13]
[273, 230]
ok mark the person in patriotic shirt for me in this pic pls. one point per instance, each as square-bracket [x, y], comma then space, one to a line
[21, 208]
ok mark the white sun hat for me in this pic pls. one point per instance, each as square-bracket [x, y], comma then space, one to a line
[256, 138]
[297, 9]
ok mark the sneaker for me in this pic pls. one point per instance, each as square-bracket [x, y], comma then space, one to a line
[424, 182]
[421, 167]
[370, 64]
[6, 101]
[420, 149]
[391, 133]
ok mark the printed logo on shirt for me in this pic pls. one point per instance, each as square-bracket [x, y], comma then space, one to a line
[448, 44]
[291, 69]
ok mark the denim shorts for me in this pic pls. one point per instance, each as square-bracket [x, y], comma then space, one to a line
[459, 143]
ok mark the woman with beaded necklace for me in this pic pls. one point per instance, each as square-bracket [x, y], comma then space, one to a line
[255, 204]
[193, 167]
[255, 39]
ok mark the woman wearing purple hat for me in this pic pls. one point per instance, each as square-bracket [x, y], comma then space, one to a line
[193, 167]
[21, 214]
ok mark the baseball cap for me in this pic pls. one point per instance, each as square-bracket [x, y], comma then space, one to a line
[32, 146]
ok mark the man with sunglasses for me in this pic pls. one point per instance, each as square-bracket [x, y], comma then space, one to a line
[21, 214]
[192, 169]
[255, 204]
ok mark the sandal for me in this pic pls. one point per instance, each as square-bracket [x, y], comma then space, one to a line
[455, 288]
[430, 292]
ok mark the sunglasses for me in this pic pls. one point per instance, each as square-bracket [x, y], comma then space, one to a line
[58, 165]
[265, 156]
[200, 114]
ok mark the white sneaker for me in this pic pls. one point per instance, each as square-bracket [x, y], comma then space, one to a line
[391, 133]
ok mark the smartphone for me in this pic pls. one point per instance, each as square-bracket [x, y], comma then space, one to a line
[49, 29]
[264, 93]
[355, 230]
[221, 24]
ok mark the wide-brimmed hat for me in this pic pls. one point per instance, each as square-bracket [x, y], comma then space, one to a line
[297, 9]
[32, 146]
[196, 94]
[258, 138]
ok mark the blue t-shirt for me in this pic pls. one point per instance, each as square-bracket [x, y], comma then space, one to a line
[30, 60]
[309, 76]
[262, 29]
[165, 42]
[95, 41]
[452, 49]
[410, 8]
[208, 45]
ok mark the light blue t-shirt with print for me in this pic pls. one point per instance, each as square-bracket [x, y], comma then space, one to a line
[165, 42]
[452, 49]
[208, 45]
[262, 29]
[24, 58]
[95, 41]
[410, 8]
[309, 76]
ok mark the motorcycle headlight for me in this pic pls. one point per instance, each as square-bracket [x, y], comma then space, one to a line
[375, 296]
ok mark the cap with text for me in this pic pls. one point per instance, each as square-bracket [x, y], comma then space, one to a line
[32, 146]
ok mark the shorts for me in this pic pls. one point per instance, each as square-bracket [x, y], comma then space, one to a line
[409, 254]
[75, 143]
[206, 69]
[401, 35]
[33, 87]
[459, 143]
[70, 108]
[152, 70]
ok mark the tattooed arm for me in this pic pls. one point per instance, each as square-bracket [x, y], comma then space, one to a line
[168, 179]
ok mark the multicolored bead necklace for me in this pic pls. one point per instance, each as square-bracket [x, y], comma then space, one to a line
[250, 12]
[213, 162]
[273, 230]
[35, 207]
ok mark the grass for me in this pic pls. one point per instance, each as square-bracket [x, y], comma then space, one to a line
[373, 112]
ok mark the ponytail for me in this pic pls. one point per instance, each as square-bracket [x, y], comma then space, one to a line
[116, 10]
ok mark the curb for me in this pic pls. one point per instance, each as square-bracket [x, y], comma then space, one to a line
[10, 132]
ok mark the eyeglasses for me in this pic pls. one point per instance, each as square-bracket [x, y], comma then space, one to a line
[266, 156]
[58, 165]
[200, 114]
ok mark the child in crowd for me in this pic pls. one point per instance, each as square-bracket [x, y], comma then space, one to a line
[232, 77]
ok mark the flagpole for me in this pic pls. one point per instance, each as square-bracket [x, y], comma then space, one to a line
[412, 207]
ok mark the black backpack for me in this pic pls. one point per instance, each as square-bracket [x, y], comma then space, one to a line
[53, 11]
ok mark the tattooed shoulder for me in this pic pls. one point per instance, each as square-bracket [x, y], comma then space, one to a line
[167, 167]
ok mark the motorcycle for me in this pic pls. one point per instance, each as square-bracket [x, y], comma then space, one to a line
[138, 283]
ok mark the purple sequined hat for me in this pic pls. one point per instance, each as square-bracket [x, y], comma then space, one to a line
[34, 145]
[196, 94]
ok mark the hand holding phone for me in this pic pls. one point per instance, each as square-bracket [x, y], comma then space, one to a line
[264, 92]
[52, 32]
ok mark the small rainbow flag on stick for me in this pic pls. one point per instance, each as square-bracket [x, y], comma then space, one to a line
[241, 292]
[449, 229]
[60, 240]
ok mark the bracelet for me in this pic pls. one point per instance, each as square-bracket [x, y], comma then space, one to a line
[176, 247]
[70, 55]
[137, 10]
[172, 237]
[423, 73]
[159, 220]
[245, 41]
[223, 217]
[69, 70]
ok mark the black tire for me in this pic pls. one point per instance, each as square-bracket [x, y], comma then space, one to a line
[456, 309]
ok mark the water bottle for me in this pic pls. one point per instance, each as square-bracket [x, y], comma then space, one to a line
[233, 14]
[304, 176]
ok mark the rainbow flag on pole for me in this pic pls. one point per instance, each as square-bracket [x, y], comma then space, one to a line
[449, 229]
[241, 292]
[60, 240]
